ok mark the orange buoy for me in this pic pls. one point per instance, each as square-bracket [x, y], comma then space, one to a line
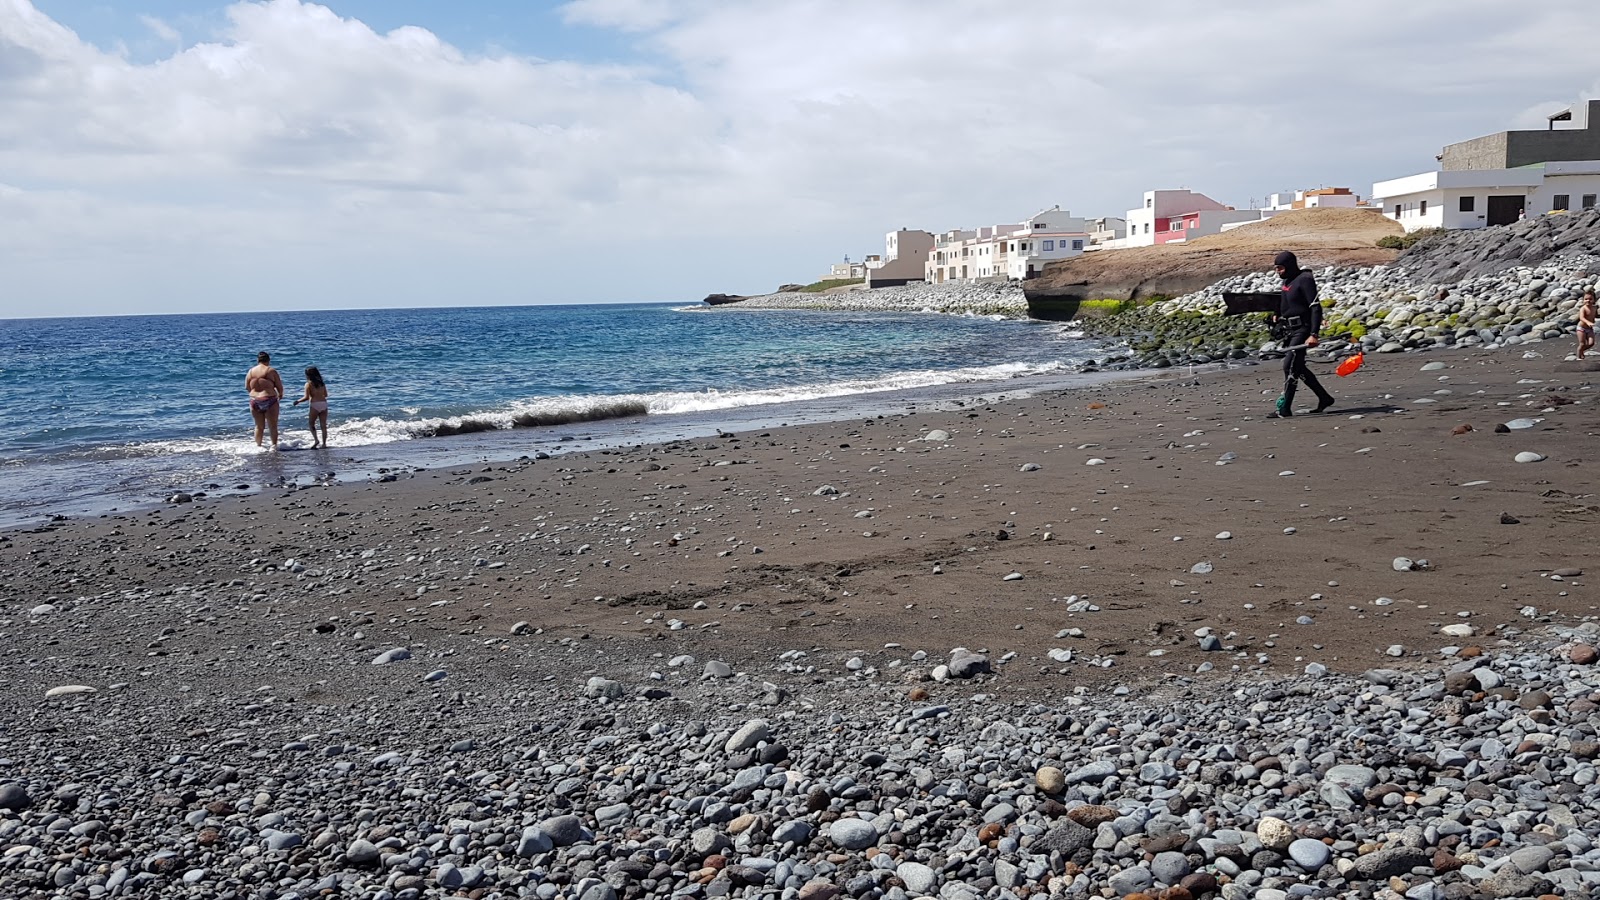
[1350, 365]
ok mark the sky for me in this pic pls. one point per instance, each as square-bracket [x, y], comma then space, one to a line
[162, 156]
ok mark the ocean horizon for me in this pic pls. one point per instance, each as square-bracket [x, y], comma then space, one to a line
[104, 412]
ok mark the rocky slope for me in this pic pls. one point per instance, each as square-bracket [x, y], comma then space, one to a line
[1456, 255]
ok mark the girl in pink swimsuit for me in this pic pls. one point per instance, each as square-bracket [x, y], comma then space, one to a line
[316, 393]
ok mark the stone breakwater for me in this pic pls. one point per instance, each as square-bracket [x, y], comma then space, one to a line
[1455, 255]
[952, 299]
[1476, 778]
[1386, 309]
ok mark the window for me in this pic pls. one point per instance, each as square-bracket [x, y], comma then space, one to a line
[1588, 201]
[1396, 211]
[1149, 203]
[1077, 245]
[1422, 208]
[1049, 245]
[1467, 203]
[1147, 228]
[1561, 203]
[1023, 246]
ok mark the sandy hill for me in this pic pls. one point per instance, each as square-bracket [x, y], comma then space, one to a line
[1320, 237]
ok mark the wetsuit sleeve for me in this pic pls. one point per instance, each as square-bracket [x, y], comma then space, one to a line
[1316, 315]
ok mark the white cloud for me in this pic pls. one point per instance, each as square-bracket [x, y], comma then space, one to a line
[161, 29]
[745, 145]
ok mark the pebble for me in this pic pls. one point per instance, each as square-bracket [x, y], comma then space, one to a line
[1528, 456]
[749, 734]
[68, 690]
[853, 834]
[391, 656]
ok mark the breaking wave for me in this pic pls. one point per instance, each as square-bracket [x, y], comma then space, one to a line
[542, 412]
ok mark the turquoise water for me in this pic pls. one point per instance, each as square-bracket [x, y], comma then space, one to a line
[125, 409]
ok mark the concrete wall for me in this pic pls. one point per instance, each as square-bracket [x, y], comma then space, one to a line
[1512, 149]
[905, 258]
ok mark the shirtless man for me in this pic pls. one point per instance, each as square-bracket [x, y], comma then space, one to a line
[266, 390]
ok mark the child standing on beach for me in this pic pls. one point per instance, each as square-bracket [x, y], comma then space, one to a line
[1586, 317]
[317, 393]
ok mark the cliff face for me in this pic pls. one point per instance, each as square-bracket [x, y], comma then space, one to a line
[1320, 237]
[1456, 255]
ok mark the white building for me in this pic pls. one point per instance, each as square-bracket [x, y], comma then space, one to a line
[1476, 198]
[1104, 230]
[904, 260]
[1321, 197]
[1014, 252]
[846, 270]
[1169, 217]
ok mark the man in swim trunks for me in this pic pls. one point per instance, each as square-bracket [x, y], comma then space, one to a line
[266, 390]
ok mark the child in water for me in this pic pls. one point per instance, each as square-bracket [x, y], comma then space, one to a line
[1586, 317]
[317, 393]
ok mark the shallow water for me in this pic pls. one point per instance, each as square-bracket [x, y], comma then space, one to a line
[97, 411]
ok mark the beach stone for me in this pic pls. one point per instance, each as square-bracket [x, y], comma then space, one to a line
[1528, 456]
[1404, 564]
[853, 834]
[14, 798]
[390, 656]
[600, 686]
[1530, 860]
[533, 841]
[362, 853]
[67, 690]
[1309, 854]
[1583, 655]
[1509, 883]
[1389, 862]
[750, 734]
[1458, 629]
[919, 879]
[1200, 568]
[1354, 778]
[1092, 815]
[1050, 779]
[716, 668]
[937, 435]
[1131, 880]
[1274, 833]
[1066, 838]
[563, 831]
[709, 841]
[1169, 867]
[966, 664]
[1094, 772]
[792, 832]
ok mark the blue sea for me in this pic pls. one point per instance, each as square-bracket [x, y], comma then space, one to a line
[111, 413]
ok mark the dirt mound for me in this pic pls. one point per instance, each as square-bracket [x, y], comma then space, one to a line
[1320, 237]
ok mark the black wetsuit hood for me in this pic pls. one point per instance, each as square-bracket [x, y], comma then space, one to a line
[1291, 265]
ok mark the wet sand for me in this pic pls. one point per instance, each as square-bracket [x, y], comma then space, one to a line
[599, 553]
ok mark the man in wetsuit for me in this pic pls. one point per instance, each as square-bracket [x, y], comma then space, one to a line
[1300, 318]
